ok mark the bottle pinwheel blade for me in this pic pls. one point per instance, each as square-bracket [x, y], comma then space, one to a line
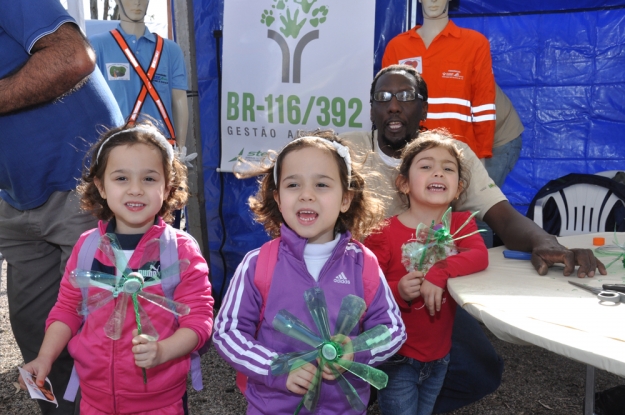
[331, 350]
[433, 244]
[127, 285]
[617, 251]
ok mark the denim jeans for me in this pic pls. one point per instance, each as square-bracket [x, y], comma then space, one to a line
[503, 160]
[475, 368]
[488, 235]
[412, 385]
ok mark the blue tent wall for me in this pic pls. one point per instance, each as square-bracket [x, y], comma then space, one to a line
[564, 73]
[489, 7]
[561, 63]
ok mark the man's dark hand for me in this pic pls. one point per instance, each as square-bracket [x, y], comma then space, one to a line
[522, 234]
[545, 256]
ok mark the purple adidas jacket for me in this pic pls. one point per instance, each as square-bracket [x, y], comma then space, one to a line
[237, 321]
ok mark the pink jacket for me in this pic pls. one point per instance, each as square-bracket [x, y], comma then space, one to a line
[109, 379]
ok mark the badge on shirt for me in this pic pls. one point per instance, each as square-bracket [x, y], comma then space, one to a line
[160, 78]
[453, 74]
[415, 62]
[118, 71]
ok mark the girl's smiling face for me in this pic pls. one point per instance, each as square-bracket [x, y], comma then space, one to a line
[310, 194]
[134, 186]
[433, 178]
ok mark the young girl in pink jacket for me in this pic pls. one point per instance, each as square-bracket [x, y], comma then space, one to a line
[134, 182]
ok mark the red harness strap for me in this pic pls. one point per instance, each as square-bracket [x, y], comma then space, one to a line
[146, 78]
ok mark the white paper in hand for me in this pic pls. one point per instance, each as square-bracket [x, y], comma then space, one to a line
[44, 392]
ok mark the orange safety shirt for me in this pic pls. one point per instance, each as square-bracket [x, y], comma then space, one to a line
[458, 70]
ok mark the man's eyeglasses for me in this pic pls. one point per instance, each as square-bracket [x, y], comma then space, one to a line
[402, 96]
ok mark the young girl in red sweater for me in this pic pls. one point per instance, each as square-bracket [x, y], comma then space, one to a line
[431, 177]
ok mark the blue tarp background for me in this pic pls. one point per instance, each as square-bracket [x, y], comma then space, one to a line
[562, 63]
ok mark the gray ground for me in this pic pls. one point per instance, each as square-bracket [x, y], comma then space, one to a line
[535, 381]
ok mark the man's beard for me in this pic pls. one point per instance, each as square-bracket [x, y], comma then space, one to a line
[397, 145]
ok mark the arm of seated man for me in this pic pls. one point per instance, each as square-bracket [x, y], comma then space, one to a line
[518, 232]
[522, 234]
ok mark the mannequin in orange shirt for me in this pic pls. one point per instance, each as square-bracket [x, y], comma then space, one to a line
[435, 18]
[457, 66]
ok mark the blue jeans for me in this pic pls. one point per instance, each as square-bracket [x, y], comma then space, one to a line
[475, 368]
[503, 160]
[412, 385]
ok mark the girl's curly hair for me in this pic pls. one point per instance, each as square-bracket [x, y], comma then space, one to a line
[365, 211]
[143, 132]
[426, 140]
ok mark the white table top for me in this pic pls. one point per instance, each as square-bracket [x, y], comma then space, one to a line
[520, 306]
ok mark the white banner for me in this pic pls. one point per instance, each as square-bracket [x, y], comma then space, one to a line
[293, 65]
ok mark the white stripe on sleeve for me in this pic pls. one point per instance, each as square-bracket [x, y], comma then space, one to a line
[382, 353]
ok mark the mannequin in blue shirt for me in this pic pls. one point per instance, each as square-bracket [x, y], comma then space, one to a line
[170, 79]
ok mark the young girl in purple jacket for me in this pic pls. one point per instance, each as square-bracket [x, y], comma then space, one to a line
[315, 199]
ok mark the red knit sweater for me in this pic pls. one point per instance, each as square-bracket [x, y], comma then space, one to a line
[429, 338]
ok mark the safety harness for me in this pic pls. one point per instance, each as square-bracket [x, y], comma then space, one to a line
[146, 78]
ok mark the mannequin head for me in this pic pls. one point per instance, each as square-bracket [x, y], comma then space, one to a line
[132, 10]
[435, 9]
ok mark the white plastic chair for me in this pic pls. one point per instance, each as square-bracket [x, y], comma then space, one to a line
[608, 173]
[583, 208]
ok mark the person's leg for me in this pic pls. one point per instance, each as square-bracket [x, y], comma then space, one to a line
[63, 227]
[430, 383]
[185, 219]
[1, 261]
[34, 264]
[498, 167]
[474, 369]
[400, 396]
[503, 160]
[177, 218]
[487, 233]
[185, 403]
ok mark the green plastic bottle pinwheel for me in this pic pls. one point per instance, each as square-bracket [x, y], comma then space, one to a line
[617, 250]
[433, 243]
[127, 286]
[330, 349]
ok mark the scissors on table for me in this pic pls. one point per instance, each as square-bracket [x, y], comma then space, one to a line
[613, 293]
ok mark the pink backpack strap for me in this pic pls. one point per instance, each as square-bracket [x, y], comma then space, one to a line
[370, 273]
[263, 274]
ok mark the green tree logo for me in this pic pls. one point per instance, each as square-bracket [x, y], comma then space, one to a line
[238, 156]
[291, 24]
